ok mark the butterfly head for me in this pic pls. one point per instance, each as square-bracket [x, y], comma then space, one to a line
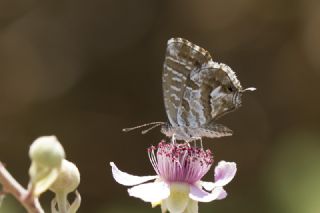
[238, 94]
[166, 129]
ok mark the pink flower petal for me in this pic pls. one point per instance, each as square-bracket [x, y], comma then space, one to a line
[224, 173]
[150, 192]
[127, 179]
[200, 195]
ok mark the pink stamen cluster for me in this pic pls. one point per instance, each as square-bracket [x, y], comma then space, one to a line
[180, 162]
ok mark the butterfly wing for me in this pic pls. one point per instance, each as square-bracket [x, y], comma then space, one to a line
[197, 91]
[182, 57]
[210, 92]
[219, 90]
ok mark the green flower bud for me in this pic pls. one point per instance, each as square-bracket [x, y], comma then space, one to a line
[46, 155]
[47, 151]
[68, 179]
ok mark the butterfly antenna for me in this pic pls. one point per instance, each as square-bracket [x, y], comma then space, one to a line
[155, 124]
[249, 89]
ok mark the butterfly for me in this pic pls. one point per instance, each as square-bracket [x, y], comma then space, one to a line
[196, 91]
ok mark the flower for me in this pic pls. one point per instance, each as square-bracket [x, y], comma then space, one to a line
[178, 186]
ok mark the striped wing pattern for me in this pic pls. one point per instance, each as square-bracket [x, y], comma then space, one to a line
[182, 57]
[197, 90]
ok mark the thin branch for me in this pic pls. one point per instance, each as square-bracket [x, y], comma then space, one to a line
[11, 186]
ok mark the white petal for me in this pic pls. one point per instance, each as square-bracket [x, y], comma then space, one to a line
[197, 194]
[150, 192]
[127, 179]
[224, 173]
[209, 186]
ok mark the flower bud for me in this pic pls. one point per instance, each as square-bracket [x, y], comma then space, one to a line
[68, 179]
[46, 155]
[47, 151]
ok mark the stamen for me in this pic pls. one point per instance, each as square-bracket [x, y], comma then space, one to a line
[180, 162]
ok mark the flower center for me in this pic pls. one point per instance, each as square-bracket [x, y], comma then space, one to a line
[179, 197]
[180, 162]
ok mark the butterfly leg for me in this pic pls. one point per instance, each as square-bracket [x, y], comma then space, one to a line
[173, 139]
[201, 146]
[200, 139]
[195, 141]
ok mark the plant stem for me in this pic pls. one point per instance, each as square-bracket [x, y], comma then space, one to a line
[62, 201]
[10, 185]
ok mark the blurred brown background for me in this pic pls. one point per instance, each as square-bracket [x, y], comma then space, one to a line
[83, 70]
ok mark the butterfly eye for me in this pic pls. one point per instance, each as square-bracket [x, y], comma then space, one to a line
[196, 63]
[230, 89]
